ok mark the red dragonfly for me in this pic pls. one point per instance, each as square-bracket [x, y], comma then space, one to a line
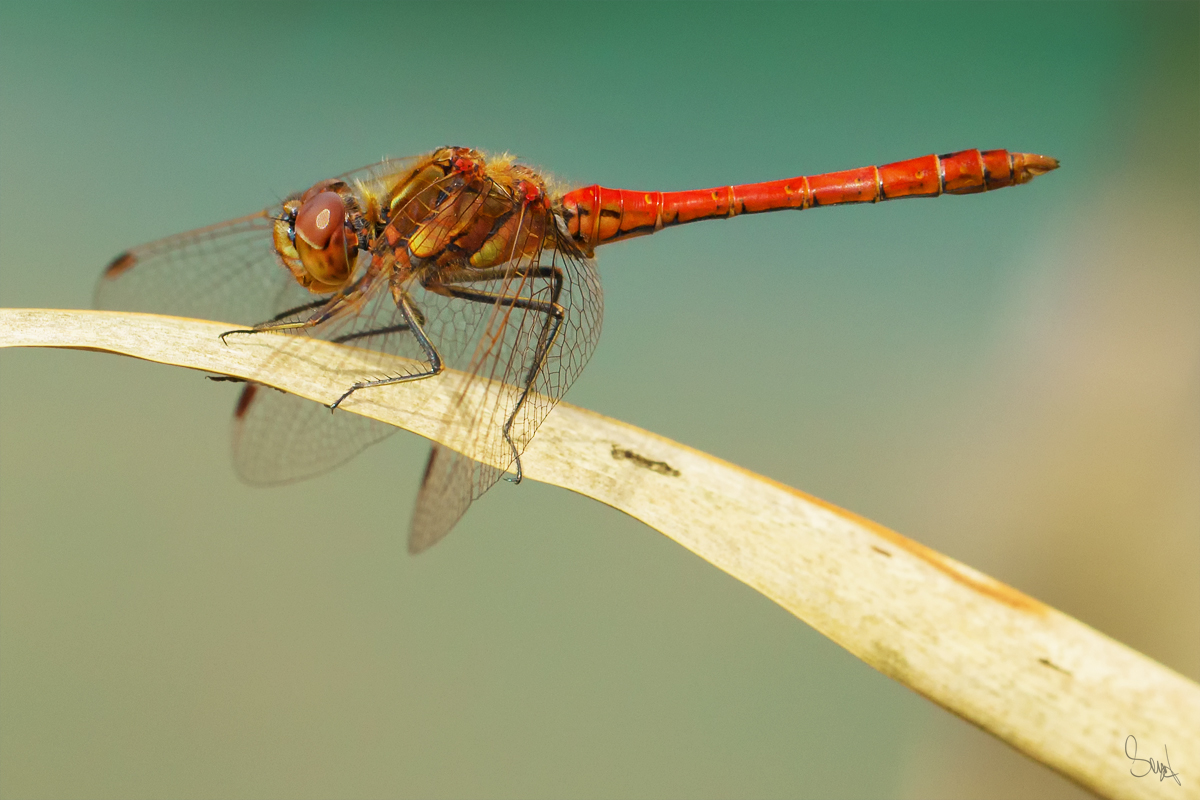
[453, 259]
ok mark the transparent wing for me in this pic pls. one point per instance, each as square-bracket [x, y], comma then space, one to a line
[528, 325]
[281, 438]
[226, 272]
[444, 497]
[229, 272]
[532, 355]
[383, 176]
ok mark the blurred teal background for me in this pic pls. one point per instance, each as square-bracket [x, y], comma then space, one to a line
[1010, 378]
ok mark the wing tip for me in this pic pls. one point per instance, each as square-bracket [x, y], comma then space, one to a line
[444, 496]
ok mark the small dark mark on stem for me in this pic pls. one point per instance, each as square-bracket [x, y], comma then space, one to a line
[1048, 663]
[661, 467]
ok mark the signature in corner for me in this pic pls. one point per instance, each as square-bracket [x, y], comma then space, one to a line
[1160, 768]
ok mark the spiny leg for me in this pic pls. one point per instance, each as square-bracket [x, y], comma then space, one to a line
[555, 314]
[328, 308]
[412, 317]
[315, 304]
[403, 326]
[350, 337]
[555, 275]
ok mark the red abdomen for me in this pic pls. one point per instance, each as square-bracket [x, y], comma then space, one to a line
[596, 215]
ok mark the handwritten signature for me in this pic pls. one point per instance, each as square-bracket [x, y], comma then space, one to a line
[1160, 768]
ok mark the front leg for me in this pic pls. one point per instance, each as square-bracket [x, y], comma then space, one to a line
[325, 309]
[413, 322]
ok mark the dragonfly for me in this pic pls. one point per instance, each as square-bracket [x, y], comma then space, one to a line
[454, 260]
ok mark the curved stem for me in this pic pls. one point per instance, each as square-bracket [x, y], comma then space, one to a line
[1048, 685]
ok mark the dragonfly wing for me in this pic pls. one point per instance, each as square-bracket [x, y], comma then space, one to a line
[230, 272]
[384, 176]
[226, 272]
[444, 497]
[280, 438]
[528, 355]
[528, 325]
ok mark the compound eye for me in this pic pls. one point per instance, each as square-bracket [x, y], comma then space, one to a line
[320, 218]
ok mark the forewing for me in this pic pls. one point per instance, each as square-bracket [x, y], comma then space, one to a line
[229, 272]
[383, 176]
[515, 345]
[226, 272]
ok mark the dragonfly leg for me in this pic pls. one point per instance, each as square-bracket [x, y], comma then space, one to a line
[413, 323]
[403, 326]
[500, 273]
[326, 309]
[555, 314]
[315, 304]
[350, 337]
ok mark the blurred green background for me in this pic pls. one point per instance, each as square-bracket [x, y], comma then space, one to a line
[1012, 378]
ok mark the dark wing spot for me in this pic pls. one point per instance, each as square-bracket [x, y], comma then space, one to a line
[120, 264]
[244, 400]
[428, 466]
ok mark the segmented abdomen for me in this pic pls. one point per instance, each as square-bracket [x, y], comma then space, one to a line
[596, 215]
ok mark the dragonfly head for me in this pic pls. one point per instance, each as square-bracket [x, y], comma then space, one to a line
[317, 237]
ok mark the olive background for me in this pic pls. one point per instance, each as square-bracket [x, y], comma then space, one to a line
[1010, 378]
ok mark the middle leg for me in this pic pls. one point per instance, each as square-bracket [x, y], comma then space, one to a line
[554, 314]
[414, 323]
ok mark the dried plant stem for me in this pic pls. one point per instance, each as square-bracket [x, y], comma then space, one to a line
[1048, 685]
